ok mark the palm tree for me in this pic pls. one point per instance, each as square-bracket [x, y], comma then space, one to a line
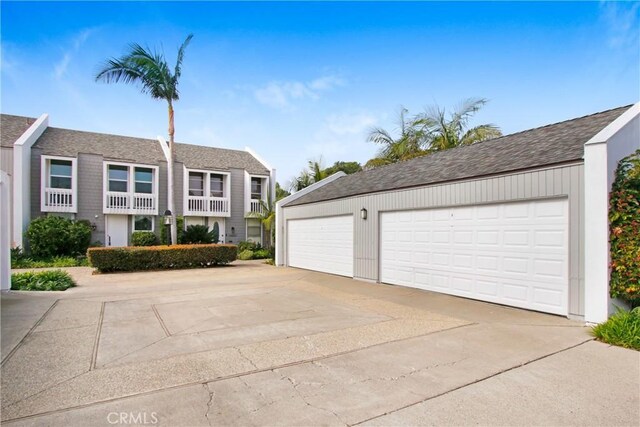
[408, 144]
[315, 172]
[452, 131]
[267, 216]
[151, 71]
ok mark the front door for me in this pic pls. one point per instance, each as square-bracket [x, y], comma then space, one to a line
[218, 223]
[116, 230]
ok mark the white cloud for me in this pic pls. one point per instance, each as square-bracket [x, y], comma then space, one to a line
[282, 95]
[60, 68]
[623, 21]
[350, 123]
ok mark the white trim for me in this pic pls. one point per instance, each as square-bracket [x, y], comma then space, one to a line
[164, 147]
[258, 158]
[5, 231]
[133, 223]
[601, 155]
[22, 177]
[45, 182]
[131, 169]
[206, 191]
[279, 206]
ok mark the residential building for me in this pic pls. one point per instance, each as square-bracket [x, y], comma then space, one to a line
[520, 220]
[119, 183]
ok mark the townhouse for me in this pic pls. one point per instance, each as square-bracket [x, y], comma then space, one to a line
[119, 183]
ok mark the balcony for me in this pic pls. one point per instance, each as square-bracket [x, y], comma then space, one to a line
[58, 200]
[117, 202]
[207, 206]
[255, 206]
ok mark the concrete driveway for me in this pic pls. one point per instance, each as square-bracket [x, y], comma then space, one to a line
[252, 344]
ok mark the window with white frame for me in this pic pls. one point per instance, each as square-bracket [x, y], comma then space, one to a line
[143, 223]
[216, 182]
[118, 178]
[143, 180]
[256, 188]
[254, 230]
[196, 184]
[60, 174]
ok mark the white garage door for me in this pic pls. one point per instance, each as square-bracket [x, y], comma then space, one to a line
[322, 244]
[512, 253]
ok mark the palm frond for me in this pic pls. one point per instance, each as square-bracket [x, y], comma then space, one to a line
[178, 68]
[480, 133]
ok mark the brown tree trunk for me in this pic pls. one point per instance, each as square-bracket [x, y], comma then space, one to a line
[170, 180]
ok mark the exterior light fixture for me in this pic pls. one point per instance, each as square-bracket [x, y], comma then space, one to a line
[168, 220]
[363, 213]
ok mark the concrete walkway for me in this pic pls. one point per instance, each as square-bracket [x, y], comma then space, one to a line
[253, 344]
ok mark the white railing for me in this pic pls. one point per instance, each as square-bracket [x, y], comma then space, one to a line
[207, 206]
[255, 206]
[116, 202]
[58, 200]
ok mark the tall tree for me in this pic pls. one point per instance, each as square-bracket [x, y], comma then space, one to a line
[346, 167]
[410, 142]
[281, 193]
[313, 173]
[150, 70]
[451, 130]
[267, 216]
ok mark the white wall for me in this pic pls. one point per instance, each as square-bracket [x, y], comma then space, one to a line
[22, 177]
[601, 156]
[5, 231]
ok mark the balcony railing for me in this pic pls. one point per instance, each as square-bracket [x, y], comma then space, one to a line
[256, 206]
[130, 203]
[58, 200]
[207, 206]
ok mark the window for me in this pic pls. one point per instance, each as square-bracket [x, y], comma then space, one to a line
[142, 223]
[144, 180]
[60, 173]
[196, 184]
[217, 183]
[256, 188]
[254, 230]
[118, 178]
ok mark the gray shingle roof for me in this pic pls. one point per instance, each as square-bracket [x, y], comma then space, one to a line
[67, 142]
[552, 144]
[12, 127]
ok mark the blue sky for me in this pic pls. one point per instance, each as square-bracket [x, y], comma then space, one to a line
[296, 81]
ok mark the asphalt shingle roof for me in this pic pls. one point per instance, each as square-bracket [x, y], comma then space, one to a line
[552, 144]
[67, 142]
[12, 127]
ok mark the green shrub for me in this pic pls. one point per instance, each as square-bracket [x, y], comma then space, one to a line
[262, 254]
[248, 246]
[160, 257]
[163, 231]
[51, 236]
[245, 255]
[50, 280]
[624, 226]
[144, 238]
[197, 234]
[58, 261]
[622, 329]
[215, 233]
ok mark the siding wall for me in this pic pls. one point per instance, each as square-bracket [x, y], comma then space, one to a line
[236, 220]
[6, 165]
[35, 183]
[90, 193]
[566, 181]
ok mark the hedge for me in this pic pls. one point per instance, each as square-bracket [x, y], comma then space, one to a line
[144, 238]
[624, 223]
[139, 258]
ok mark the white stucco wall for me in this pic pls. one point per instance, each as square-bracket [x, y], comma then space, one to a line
[5, 231]
[601, 156]
[22, 177]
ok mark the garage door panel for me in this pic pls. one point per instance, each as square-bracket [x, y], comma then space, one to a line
[512, 253]
[322, 244]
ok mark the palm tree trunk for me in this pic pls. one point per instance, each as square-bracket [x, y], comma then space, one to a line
[170, 197]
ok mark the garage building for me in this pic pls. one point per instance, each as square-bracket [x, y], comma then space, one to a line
[519, 220]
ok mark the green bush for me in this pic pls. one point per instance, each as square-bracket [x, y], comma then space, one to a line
[58, 261]
[248, 246]
[160, 257]
[163, 231]
[50, 280]
[144, 238]
[197, 234]
[245, 255]
[624, 225]
[51, 236]
[622, 329]
[262, 254]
